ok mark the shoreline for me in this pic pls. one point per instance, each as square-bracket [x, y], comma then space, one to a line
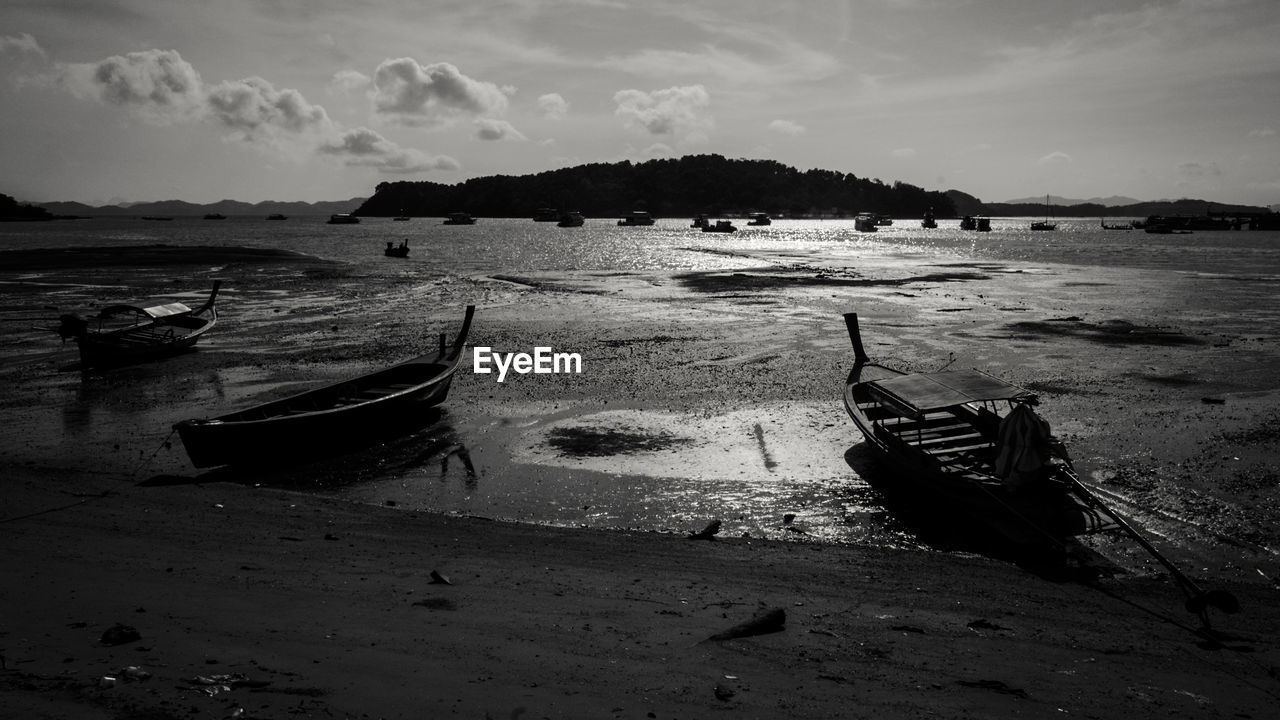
[330, 609]
[331, 602]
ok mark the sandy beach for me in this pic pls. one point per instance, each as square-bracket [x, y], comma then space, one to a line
[254, 597]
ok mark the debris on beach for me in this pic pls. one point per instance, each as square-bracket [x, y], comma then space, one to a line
[120, 634]
[769, 620]
[707, 533]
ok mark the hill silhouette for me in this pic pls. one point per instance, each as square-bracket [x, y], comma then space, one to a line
[11, 210]
[684, 187]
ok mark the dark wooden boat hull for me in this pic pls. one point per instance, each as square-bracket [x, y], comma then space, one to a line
[346, 414]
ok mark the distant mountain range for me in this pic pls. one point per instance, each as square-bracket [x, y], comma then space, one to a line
[1113, 201]
[966, 204]
[167, 208]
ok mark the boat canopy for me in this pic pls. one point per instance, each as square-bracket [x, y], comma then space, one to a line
[918, 394]
[157, 311]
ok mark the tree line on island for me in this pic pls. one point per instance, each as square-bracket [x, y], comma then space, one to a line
[684, 187]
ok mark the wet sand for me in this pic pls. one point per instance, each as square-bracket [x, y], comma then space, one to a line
[296, 604]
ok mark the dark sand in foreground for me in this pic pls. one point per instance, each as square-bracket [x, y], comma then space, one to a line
[261, 602]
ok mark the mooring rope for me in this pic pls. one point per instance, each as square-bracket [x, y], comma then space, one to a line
[131, 477]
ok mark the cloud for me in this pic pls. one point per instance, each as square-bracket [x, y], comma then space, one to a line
[254, 107]
[158, 84]
[904, 153]
[21, 43]
[1055, 158]
[345, 82]
[671, 111]
[366, 148]
[432, 95]
[553, 106]
[1191, 170]
[490, 129]
[787, 127]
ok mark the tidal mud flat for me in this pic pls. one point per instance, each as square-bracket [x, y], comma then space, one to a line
[709, 381]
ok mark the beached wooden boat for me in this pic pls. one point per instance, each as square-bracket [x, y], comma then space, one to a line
[126, 334]
[970, 444]
[380, 404]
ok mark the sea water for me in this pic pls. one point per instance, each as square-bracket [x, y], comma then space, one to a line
[1244, 262]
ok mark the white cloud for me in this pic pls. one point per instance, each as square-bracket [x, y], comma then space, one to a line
[256, 108]
[364, 147]
[553, 106]
[345, 82]
[158, 84]
[1191, 170]
[432, 95]
[21, 43]
[787, 127]
[1056, 157]
[675, 110]
[490, 129]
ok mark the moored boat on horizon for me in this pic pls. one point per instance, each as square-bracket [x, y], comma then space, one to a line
[636, 218]
[571, 219]
[720, 226]
[865, 222]
[459, 218]
[343, 219]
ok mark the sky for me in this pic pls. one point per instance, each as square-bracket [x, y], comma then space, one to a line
[105, 101]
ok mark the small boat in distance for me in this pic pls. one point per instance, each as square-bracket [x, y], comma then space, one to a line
[968, 223]
[397, 251]
[759, 219]
[276, 216]
[459, 218]
[1105, 226]
[636, 218]
[571, 219]
[1044, 224]
[127, 334]
[215, 216]
[928, 221]
[343, 219]
[983, 223]
[380, 404]
[865, 222]
[720, 226]
[163, 218]
[884, 220]
[700, 221]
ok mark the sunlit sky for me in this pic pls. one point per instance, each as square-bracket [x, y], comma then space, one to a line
[135, 100]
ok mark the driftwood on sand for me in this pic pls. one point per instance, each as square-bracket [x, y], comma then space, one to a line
[768, 620]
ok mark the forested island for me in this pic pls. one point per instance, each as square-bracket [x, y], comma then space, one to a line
[11, 210]
[683, 187]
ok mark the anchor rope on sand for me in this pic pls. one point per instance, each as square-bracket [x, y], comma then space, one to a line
[99, 495]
